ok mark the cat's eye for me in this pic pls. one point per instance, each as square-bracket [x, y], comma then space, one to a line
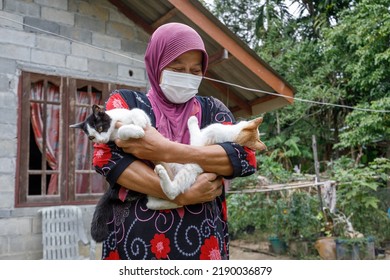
[91, 137]
[100, 129]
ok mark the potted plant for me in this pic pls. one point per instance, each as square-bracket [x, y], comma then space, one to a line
[326, 242]
[351, 244]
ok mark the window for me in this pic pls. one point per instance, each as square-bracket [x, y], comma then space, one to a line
[55, 161]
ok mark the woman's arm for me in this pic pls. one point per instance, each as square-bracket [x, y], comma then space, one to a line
[141, 178]
[155, 147]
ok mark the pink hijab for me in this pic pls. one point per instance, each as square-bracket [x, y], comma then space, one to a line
[167, 43]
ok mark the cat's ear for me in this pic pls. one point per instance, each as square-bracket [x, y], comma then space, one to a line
[96, 109]
[257, 122]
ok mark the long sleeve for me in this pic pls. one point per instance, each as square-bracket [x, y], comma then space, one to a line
[242, 158]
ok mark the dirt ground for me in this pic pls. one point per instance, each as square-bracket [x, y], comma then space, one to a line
[243, 250]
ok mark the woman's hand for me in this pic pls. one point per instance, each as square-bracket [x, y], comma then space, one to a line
[206, 188]
[153, 146]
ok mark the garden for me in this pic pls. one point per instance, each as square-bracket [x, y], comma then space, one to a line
[336, 56]
[298, 222]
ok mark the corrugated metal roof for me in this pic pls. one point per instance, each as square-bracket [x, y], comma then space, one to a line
[231, 60]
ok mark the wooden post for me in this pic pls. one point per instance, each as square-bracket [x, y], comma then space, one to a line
[317, 170]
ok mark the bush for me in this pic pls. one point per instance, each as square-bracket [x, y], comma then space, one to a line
[295, 216]
[249, 212]
[362, 191]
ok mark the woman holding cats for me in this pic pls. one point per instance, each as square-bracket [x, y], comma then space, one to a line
[175, 60]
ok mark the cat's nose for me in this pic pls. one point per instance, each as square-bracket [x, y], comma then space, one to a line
[91, 138]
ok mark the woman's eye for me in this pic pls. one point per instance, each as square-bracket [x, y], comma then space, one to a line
[196, 72]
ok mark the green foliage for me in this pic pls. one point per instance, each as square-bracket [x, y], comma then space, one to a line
[238, 16]
[244, 182]
[248, 212]
[359, 46]
[287, 151]
[272, 169]
[295, 217]
[359, 193]
[335, 52]
[291, 217]
[367, 128]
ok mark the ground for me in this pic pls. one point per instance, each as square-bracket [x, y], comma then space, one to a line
[243, 250]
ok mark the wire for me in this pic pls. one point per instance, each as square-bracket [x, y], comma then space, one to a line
[297, 98]
[207, 78]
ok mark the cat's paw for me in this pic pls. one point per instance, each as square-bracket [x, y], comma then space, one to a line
[126, 132]
[140, 118]
[161, 171]
[165, 181]
[192, 121]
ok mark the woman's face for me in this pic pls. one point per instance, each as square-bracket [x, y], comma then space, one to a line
[189, 62]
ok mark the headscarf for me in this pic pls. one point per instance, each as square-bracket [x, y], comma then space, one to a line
[167, 43]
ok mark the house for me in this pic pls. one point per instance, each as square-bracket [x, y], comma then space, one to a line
[57, 57]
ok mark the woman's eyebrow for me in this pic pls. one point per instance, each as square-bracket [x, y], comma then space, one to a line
[179, 61]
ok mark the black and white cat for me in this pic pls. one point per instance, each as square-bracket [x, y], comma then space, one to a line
[100, 128]
[174, 178]
[100, 125]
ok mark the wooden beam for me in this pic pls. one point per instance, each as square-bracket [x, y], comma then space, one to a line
[260, 70]
[165, 18]
[124, 9]
[262, 99]
[218, 57]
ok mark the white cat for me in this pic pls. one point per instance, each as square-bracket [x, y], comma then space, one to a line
[245, 133]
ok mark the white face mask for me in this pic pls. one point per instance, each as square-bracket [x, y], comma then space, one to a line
[179, 87]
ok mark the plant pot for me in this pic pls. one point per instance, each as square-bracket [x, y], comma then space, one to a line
[277, 245]
[355, 249]
[297, 248]
[326, 248]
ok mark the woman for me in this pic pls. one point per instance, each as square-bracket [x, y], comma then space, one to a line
[175, 56]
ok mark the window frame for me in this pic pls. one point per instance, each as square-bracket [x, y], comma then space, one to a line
[67, 87]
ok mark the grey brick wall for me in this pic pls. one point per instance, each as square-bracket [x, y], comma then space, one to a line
[27, 47]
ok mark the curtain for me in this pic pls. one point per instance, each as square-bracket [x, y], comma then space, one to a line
[83, 143]
[52, 134]
[52, 127]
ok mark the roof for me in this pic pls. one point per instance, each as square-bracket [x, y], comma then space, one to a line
[230, 59]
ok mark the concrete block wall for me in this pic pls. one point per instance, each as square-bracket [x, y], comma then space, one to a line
[84, 39]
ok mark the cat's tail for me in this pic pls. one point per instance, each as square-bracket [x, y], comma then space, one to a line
[101, 216]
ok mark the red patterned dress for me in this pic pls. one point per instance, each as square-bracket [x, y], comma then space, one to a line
[191, 232]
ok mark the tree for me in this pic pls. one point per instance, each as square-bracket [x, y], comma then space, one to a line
[240, 17]
[368, 130]
[335, 51]
[358, 51]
